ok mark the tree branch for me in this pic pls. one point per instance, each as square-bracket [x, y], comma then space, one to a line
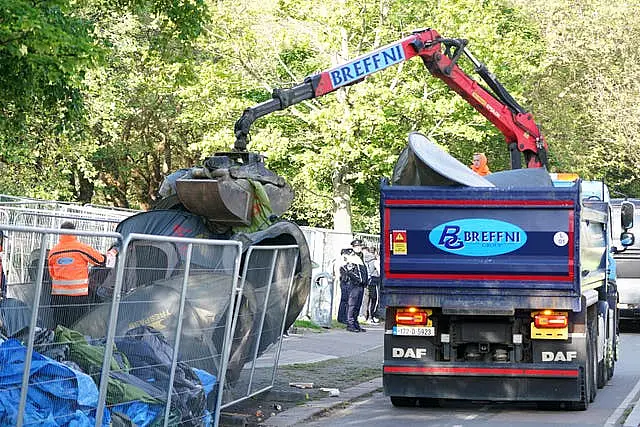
[10, 40]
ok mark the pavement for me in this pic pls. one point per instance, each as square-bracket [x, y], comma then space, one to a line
[633, 419]
[311, 347]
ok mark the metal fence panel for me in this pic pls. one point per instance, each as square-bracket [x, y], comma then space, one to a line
[259, 322]
[325, 246]
[49, 391]
[20, 247]
[157, 352]
[181, 315]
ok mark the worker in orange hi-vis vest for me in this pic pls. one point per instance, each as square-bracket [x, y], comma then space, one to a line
[69, 263]
[480, 164]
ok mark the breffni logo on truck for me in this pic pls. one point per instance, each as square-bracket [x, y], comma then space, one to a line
[365, 65]
[478, 237]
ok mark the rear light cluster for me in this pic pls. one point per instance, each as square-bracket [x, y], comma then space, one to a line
[550, 325]
[550, 319]
[413, 316]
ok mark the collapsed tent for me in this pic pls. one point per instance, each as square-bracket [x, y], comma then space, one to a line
[152, 285]
[139, 376]
[65, 374]
[232, 197]
[423, 162]
[153, 279]
[157, 305]
[15, 316]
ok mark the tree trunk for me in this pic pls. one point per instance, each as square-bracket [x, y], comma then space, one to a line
[341, 201]
[341, 187]
[85, 188]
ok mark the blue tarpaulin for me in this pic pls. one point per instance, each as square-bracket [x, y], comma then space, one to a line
[58, 395]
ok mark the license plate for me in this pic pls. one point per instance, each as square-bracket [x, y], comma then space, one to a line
[420, 331]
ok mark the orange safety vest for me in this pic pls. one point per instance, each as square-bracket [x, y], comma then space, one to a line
[483, 168]
[69, 262]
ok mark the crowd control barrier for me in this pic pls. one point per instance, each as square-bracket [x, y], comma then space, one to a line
[179, 329]
[259, 321]
[21, 248]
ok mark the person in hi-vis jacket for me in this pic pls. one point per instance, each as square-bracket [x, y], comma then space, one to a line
[480, 164]
[68, 265]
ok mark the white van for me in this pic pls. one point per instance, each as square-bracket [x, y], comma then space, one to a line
[627, 264]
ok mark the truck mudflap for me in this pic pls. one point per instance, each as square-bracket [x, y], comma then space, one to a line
[512, 382]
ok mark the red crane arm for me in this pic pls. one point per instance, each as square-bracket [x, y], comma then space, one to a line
[518, 127]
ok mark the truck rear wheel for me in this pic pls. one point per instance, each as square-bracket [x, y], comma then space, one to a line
[586, 378]
[602, 373]
[401, 401]
[601, 377]
[611, 366]
[593, 340]
[585, 393]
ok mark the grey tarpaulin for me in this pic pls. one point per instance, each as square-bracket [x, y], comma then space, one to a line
[159, 300]
[423, 162]
[528, 177]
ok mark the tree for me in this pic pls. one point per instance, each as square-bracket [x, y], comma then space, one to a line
[111, 96]
[46, 50]
[588, 86]
[340, 145]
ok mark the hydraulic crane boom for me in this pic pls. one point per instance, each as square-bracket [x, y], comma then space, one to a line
[440, 56]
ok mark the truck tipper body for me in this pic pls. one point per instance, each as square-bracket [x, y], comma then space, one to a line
[495, 294]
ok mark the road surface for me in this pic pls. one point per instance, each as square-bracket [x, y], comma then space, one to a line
[611, 405]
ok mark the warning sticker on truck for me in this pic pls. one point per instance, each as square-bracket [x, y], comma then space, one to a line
[399, 242]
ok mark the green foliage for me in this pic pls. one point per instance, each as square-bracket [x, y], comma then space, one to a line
[586, 93]
[309, 324]
[100, 99]
[357, 133]
[49, 53]
[45, 49]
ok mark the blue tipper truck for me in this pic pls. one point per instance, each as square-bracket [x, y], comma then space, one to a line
[490, 292]
[496, 294]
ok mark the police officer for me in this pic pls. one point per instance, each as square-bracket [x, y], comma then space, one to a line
[356, 245]
[68, 265]
[369, 309]
[355, 272]
[345, 287]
